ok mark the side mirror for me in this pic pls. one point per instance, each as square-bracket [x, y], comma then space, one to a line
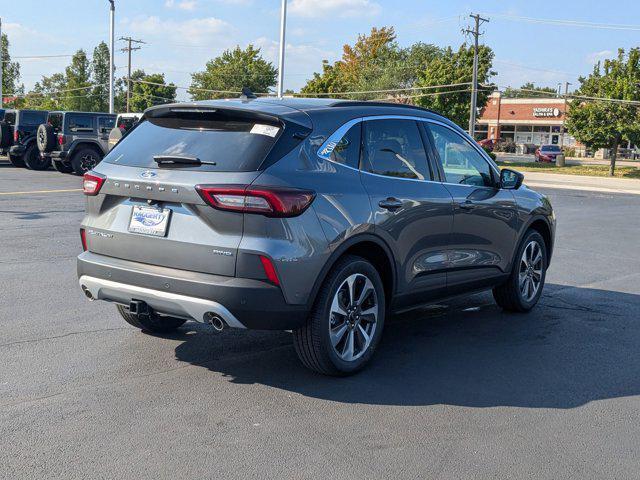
[510, 179]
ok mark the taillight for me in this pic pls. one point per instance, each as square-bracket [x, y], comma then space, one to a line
[83, 238]
[61, 139]
[15, 136]
[92, 184]
[269, 270]
[269, 201]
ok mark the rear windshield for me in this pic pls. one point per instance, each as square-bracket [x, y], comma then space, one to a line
[31, 118]
[234, 143]
[55, 120]
[551, 148]
[10, 118]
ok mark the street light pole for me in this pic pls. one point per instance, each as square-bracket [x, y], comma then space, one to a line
[111, 59]
[283, 27]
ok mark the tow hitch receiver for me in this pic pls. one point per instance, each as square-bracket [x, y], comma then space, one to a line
[139, 308]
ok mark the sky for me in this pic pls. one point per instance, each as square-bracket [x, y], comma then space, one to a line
[181, 35]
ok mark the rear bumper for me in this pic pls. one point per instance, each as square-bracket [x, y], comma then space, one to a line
[241, 302]
[17, 150]
[56, 155]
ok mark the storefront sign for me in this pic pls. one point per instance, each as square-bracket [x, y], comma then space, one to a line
[546, 112]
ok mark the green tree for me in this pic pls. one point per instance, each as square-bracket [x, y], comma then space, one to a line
[150, 90]
[232, 71]
[529, 90]
[78, 79]
[454, 67]
[375, 62]
[100, 78]
[10, 71]
[45, 93]
[607, 123]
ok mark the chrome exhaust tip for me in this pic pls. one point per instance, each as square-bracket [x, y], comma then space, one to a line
[215, 321]
[87, 292]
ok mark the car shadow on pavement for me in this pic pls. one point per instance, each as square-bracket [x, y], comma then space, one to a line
[577, 346]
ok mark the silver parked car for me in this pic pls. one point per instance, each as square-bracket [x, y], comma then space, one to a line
[316, 216]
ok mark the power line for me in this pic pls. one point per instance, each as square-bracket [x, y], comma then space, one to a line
[568, 23]
[383, 91]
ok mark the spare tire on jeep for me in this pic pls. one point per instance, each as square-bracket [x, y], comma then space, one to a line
[46, 138]
[6, 135]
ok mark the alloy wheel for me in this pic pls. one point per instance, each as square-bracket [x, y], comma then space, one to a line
[530, 273]
[88, 162]
[353, 317]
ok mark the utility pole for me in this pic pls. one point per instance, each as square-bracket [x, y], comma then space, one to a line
[128, 49]
[564, 114]
[1, 67]
[283, 28]
[112, 15]
[474, 86]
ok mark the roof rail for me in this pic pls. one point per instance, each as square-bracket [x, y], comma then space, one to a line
[365, 103]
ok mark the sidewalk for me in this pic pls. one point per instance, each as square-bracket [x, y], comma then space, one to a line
[577, 182]
[512, 157]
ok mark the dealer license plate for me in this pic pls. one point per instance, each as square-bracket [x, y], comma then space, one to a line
[149, 220]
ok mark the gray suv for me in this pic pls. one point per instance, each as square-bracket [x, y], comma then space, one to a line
[316, 216]
[75, 141]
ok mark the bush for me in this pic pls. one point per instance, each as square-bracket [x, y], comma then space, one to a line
[489, 152]
[506, 146]
[569, 151]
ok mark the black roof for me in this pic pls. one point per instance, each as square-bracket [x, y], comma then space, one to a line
[292, 107]
[276, 106]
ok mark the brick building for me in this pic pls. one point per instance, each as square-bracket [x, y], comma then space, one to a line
[532, 121]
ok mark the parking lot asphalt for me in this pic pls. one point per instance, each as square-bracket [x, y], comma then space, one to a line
[459, 390]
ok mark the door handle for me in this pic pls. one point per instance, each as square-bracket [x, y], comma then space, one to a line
[467, 205]
[391, 204]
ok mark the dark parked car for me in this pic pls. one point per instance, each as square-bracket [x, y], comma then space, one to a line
[316, 216]
[547, 153]
[22, 147]
[75, 141]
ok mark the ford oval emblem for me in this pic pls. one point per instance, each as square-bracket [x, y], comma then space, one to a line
[148, 174]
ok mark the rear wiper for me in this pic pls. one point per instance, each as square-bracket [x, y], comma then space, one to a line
[169, 160]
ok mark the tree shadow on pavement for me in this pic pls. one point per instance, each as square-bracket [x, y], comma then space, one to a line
[577, 346]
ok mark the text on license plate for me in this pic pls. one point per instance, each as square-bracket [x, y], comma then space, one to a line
[149, 220]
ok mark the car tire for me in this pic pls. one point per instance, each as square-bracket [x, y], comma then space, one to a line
[17, 161]
[85, 159]
[154, 323]
[46, 138]
[34, 160]
[521, 292]
[61, 167]
[341, 344]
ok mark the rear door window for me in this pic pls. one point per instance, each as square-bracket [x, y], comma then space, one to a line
[222, 141]
[347, 150]
[394, 148]
[80, 123]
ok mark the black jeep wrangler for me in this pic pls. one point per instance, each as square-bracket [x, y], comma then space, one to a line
[75, 141]
[18, 138]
